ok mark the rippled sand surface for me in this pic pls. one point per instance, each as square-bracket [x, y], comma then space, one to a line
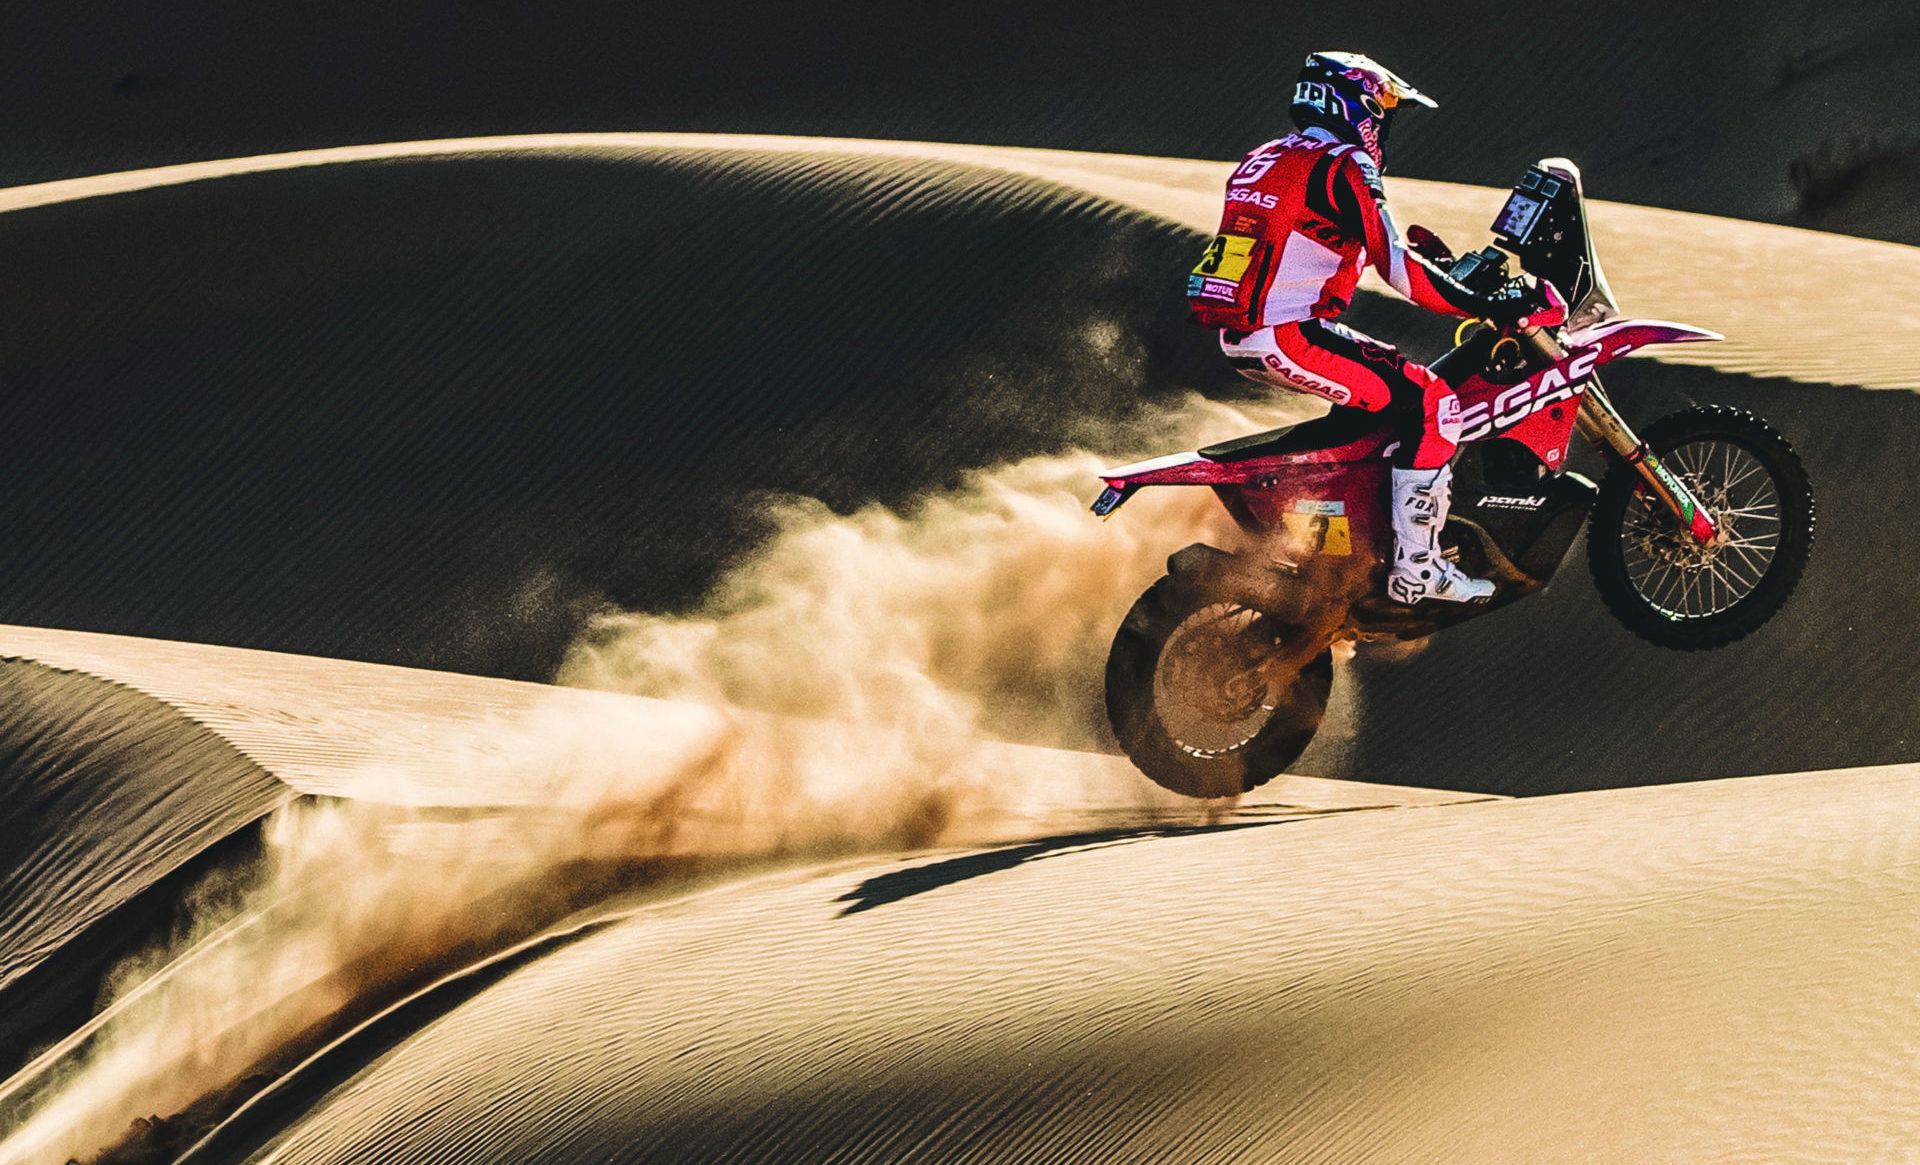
[440, 818]
[1719, 971]
[1332, 972]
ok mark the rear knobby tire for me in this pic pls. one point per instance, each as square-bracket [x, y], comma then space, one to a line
[1179, 700]
[1661, 584]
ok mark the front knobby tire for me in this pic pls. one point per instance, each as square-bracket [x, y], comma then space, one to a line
[1656, 579]
[1190, 705]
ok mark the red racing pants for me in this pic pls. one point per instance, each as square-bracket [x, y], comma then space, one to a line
[1333, 361]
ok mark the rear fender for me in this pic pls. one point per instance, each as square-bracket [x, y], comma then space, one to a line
[1177, 469]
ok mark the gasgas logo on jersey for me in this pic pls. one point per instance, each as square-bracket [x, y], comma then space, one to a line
[1516, 403]
[1269, 201]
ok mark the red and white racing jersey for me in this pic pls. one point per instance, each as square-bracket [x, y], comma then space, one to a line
[1303, 213]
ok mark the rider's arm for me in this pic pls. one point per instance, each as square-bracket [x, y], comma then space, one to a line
[1358, 185]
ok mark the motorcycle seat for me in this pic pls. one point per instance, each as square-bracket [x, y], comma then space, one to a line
[1338, 429]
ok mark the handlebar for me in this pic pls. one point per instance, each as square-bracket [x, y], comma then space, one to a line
[1512, 301]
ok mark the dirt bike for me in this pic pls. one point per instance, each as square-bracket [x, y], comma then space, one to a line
[1697, 532]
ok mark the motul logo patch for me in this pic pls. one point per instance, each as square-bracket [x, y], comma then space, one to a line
[1563, 381]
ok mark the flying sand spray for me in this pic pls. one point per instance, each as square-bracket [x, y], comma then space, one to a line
[853, 684]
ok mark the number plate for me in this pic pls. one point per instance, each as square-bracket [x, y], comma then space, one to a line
[1109, 500]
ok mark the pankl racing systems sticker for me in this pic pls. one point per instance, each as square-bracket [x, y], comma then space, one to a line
[1319, 527]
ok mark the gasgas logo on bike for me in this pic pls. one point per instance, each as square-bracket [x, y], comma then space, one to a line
[1563, 381]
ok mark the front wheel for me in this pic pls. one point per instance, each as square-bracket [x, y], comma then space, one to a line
[1193, 694]
[1674, 591]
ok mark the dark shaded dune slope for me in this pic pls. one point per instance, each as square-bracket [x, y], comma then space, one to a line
[432, 413]
[111, 802]
[436, 412]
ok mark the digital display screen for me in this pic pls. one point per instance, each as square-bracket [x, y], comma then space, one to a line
[1518, 217]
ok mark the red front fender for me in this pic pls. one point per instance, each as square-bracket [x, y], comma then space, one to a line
[1619, 336]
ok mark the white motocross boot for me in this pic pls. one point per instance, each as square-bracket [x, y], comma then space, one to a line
[1421, 498]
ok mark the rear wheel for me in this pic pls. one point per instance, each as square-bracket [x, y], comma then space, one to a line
[1191, 694]
[1670, 589]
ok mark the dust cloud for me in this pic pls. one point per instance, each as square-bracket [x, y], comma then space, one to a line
[850, 688]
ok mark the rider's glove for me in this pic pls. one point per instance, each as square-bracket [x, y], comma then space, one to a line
[1429, 246]
[1521, 306]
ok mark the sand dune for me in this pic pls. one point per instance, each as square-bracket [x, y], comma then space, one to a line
[1788, 113]
[1711, 972]
[111, 805]
[563, 796]
[371, 732]
[1798, 312]
[378, 430]
[316, 409]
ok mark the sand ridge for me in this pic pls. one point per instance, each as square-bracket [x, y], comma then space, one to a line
[113, 805]
[377, 733]
[1804, 295]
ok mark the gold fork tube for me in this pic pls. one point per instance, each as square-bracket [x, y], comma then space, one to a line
[1602, 425]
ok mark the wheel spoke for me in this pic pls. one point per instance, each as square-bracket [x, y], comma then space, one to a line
[1751, 468]
[1676, 589]
[1659, 578]
[1724, 571]
[1687, 589]
[1741, 567]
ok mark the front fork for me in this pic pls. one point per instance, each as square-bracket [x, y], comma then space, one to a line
[1602, 424]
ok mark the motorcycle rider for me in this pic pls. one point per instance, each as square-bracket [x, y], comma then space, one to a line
[1302, 214]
